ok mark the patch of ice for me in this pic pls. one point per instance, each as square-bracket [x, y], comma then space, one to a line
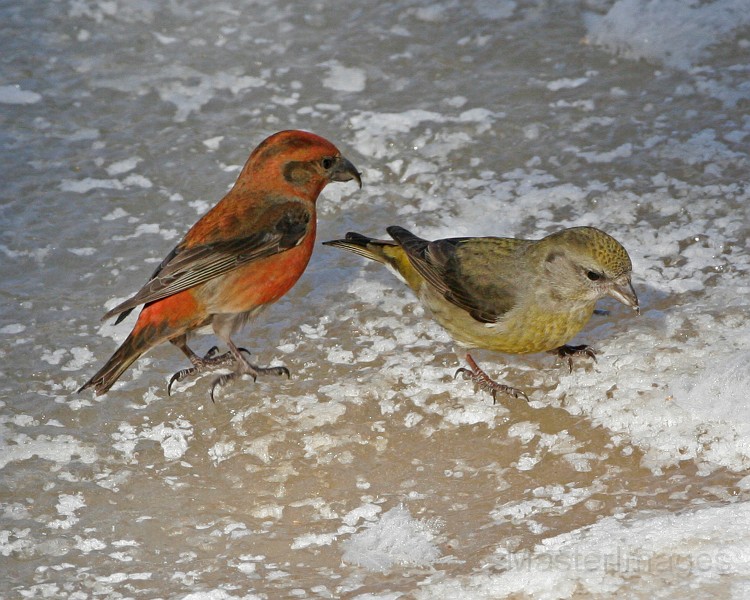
[676, 33]
[38, 254]
[495, 10]
[395, 539]
[12, 329]
[344, 79]
[368, 512]
[13, 94]
[566, 83]
[702, 147]
[117, 213]
[525, 431]
[615, 556]
[374, 131]
[268, 511]
[218, 595]
[59, 449]
[147, 228]
[221, 451]
[164, 39]
[83, 186]
[260, 446]
[190, 94]
[213, 143]
[53, 357]
[316, 414]
[311, 539]
[123, 166]
[81, 358]
[138, 181]
[89, 545]
[477, 412]
[67, 505]
[88, 251]
[435, 13]
[340, 356]
[623, 151]
[15, 511]
[718, 389]
[172, 437]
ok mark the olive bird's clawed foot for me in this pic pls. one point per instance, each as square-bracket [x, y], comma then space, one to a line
[486, 383]
[246, 368]
[569, 352]
[209, 362]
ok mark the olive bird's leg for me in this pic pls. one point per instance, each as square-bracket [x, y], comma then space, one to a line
[568, 352]
[486, 383]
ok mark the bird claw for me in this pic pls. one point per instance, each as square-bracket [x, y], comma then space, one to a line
[212, 351]
[210, 360]
[486, 383]
[276, 371]
[179, 376]
[220, 382]
[246, 369]
[568, 352]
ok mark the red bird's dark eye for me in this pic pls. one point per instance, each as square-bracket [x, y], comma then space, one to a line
[593, 276]
[327, 163]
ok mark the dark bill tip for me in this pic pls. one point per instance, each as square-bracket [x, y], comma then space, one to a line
[344, 170]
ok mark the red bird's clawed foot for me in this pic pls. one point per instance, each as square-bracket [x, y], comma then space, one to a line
[209, 362]
[486, 383]
[569, 352]
[246, 368]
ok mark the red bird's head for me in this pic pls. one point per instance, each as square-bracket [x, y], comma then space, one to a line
[298, 159]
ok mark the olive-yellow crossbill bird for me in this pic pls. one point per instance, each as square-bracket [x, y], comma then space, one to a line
[509, 295]
[240, 257]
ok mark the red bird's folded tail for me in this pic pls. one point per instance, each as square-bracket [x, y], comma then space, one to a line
[132, 348]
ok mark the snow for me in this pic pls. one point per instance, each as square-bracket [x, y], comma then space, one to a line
[395, 539]
[675, 33]
[372, 472]
[345, 79]
[13, 94]
[617, 556]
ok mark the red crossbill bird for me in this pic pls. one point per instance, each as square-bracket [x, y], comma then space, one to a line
[509, 295]
[240, 257]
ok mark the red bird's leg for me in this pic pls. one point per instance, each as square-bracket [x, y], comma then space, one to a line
[209, 361]
[244, 367]
[485, 382]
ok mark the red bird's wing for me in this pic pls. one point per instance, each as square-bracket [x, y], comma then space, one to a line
[185, 268]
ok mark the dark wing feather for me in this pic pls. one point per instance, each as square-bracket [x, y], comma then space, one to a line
[470, 273]
[185, 268]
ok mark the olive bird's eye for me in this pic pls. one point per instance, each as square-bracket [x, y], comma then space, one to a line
[593, 276]
[327, 163]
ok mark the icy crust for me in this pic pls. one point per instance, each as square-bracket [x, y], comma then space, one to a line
[395, 539]
[349, 478]
[58, 448]
[648, 388]
[690, 554]
[676, 33]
